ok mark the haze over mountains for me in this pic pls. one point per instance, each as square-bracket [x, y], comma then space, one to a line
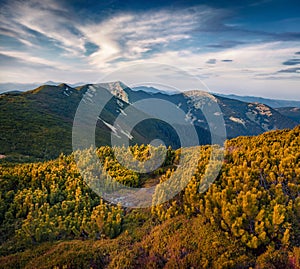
[38, 123]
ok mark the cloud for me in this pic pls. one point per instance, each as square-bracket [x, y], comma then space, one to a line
[292, 62]
[290, 70]
[131, 36]
[280, 78]
[59, 40]
[249, 72]
[33, 61]
[28, 20]
[49, 27]
[284, 36]
[211, 61]
[226, 44]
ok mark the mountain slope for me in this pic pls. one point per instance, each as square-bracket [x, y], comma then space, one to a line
[241, 118]
[37, 124]
[251, 118]
[274, 103]
[290, 112]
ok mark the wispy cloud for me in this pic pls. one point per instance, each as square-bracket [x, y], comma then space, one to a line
[132, 36]
[27, 58]
[47, 27]
[211, 61]
[29, 19]
[290, 70]
[292, 62]
[226, 44]
[51, 38]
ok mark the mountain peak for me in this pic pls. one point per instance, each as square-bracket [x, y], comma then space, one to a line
[117, 88]
[47, 89]
[39, 89]
[52, 83]
[198, 94]
[63, 85]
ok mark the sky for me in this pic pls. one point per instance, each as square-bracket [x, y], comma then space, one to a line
[241, 47]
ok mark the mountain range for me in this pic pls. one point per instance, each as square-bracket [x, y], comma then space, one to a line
[37, 124]
[274, 103]
[21, 87]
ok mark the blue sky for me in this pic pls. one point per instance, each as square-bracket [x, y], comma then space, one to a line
[241, 47]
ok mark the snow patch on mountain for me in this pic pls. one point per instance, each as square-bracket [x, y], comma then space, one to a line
[122, 112]
[89, 94]
[66, 91]
[237, 120]
[189, 117]
[126, 133]
[92, 89]
[117, 130]
[120, 104]
[114, 129]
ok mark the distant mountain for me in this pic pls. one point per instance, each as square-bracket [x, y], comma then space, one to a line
[241, 118]
[150, 89]
[274, 103]
[38, 123]
[8, 87]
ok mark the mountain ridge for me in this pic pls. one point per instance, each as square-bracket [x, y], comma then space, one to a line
[274, 103]
[39, 122]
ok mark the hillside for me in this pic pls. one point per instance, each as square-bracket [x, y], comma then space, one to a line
[241, 118]
[290, 112]
[37, 124]
[249, 217]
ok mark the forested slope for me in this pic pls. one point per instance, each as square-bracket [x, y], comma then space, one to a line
[249, 217]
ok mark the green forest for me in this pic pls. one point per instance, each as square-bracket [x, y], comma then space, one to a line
[248, 218]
